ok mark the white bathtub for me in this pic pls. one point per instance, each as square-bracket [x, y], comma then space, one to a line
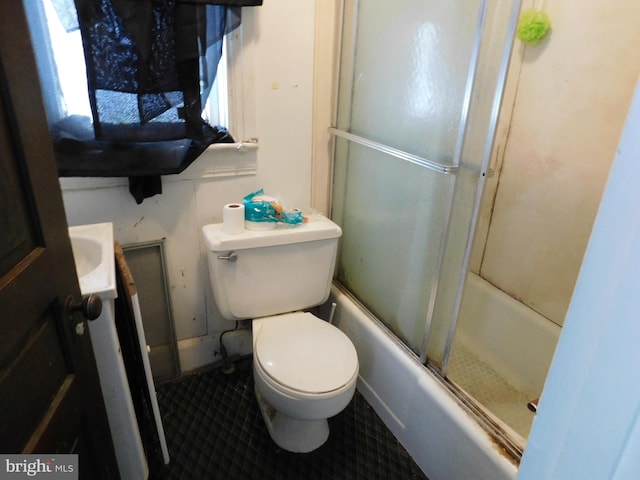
[515, 340]
[443, 439]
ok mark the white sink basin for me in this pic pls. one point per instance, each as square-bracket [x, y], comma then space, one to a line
[93, 253]
[95, 265]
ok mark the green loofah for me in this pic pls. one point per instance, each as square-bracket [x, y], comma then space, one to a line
[533, 26]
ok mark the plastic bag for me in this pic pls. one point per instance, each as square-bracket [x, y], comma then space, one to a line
[259, 207]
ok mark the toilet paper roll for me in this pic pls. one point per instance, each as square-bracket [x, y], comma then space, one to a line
[233, 219]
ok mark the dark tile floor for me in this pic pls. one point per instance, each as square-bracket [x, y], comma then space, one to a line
[215, 431]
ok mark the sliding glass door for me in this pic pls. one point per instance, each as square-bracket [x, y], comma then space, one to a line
[420, 84]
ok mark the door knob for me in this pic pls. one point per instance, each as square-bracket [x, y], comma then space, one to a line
[91, 306]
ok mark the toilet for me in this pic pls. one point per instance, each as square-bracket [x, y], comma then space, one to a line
[304, 369]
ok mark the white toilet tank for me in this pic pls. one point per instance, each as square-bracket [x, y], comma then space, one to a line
[260, 273]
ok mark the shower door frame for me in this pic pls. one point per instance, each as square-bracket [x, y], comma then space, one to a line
[440, 168]
[484, 167]
[439, 368]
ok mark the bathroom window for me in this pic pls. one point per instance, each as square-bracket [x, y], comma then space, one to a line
[158, 115]
[68, 60]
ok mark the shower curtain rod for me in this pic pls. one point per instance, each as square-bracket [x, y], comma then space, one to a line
[401, 154]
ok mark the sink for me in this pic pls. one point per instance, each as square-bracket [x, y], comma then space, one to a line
[87, 252]
[93, 254]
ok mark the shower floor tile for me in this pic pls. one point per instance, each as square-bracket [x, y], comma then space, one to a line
[215, 430]
[480, 381]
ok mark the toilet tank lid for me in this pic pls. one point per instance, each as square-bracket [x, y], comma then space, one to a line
[318, 227]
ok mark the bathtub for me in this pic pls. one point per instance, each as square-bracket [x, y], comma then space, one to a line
[442, 437]
[515, 340]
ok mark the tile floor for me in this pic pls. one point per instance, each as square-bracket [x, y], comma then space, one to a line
[215, 431]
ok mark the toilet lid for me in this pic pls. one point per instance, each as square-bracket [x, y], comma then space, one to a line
[306, 354]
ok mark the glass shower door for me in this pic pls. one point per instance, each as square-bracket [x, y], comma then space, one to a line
[420, 81]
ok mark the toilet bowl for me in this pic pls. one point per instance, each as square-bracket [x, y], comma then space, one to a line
[305, 371]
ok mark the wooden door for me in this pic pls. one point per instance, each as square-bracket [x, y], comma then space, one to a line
[50, 397]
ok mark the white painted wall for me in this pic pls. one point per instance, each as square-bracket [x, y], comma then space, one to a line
[282, 47]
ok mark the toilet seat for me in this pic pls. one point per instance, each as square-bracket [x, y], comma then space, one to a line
[305, 354]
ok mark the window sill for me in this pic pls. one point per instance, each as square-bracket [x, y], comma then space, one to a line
[219, 160]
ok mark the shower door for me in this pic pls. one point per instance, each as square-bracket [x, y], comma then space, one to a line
[419, 89]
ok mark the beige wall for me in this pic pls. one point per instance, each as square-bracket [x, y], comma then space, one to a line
[560, 125]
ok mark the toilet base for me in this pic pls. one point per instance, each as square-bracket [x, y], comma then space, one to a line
[293, 434]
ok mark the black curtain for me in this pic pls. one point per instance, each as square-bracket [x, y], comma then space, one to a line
[150, 67]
